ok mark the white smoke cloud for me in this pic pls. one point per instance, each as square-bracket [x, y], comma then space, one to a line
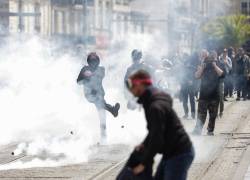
[41, 104]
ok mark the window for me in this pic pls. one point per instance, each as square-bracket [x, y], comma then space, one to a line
[4, 5]
[107, 15]
[126, 24]
[80, 2]
[244, 8]
[126, 2]
[249, 8]
[118, 24]
[100, 14]
[120, 2]
[37, 18]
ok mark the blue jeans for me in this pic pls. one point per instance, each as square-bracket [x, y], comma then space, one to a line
[175, 168]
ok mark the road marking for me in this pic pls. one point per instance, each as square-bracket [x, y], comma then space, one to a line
[13, 160]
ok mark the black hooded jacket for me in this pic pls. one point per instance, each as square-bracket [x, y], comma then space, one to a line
[166, 134]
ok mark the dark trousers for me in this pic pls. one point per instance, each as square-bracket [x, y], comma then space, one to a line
[228, 86]
[248, 89]
[212, 107]
[188, 93]
[175, 168]
[241, 86]
[221, 104]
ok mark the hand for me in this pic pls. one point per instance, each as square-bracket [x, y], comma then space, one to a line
[214, 64]
[139, 147]
[88, 73]
[138, 169]
[201, 67]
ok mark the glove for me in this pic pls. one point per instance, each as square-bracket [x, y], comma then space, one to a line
[87, 74]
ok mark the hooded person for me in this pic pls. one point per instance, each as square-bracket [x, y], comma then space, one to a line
[210, 72]
[166, 134]
[91, 76]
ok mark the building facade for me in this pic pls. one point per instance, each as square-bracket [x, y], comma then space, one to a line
[4, 19]
[92, 22]
[244, 7]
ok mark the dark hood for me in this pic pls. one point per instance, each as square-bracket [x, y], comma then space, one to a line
[153, 94]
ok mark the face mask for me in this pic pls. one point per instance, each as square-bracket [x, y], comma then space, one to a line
[130, 83]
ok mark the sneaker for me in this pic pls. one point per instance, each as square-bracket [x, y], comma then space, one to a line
[221, 114]
[210, 133]
[237, 99]
[115, 110]
[225, 99]
[193, 115]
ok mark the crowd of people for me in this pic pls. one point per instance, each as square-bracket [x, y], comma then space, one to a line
[214, 77]
[206, 77]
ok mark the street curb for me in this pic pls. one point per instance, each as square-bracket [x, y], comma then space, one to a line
[243, 166]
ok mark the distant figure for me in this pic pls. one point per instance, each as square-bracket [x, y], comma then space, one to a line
[225, 61]
[188, 87]
[242, 72]
[91, 77]
[137, 64]
[210, 72]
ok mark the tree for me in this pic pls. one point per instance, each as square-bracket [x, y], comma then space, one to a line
[227, 31]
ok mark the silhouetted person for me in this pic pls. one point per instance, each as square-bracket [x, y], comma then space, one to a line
[242, 70]
[166, 135]
[136, 65]
[210, 73]
[91, 76]
[188, 87]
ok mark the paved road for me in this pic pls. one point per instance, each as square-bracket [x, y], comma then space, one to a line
[217, 157]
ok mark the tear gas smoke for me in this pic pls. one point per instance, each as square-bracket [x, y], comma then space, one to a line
[45, 111]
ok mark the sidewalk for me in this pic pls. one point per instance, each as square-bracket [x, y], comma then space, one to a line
[214, 158]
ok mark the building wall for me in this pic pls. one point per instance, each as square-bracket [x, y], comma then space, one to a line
[4, 20]
[106, 20]
[29, 23]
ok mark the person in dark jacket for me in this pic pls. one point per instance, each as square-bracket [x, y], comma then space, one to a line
[166, 134]
[242, 71]
[210, 72]
[91, 77]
